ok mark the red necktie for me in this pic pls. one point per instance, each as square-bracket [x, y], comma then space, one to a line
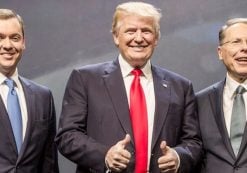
[138, 115]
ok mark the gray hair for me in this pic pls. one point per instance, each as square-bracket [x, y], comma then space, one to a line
[228, 24]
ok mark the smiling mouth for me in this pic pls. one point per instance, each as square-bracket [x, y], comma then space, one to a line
[241, 60]
[139, 46]
[7, 54]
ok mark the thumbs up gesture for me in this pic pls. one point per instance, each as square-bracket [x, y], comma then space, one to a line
[117, 157]
[169, 161]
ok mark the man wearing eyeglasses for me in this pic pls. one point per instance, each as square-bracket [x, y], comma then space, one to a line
[221, 107]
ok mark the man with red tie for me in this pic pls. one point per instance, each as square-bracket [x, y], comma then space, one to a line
[128, 115]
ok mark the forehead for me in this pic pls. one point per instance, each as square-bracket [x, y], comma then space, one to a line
[136, 20]
[238, 30]
[11, 25]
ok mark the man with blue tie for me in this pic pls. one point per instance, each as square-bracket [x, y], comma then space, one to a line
[128, 115]
[222, 106]
[27, 114]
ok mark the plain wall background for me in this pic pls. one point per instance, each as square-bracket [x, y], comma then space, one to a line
[64, 34]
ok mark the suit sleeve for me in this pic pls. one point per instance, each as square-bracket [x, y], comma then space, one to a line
[190, 147]
[72, 139]
[49, 160]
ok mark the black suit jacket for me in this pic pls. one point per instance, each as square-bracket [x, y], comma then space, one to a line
[38, 153]
[95, 116]
[218, 153]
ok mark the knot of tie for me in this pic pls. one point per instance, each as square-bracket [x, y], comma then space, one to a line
[11, 84]
[136, 72]
[240, 90]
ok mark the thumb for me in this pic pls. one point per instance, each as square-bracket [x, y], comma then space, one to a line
[125, 141]
[163, 147]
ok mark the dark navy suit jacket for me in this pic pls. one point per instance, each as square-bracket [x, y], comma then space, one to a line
[95, 116]
[38, 153]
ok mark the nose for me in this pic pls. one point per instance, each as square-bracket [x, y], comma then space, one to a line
[138, 36]
[244, 46]
[6, 43]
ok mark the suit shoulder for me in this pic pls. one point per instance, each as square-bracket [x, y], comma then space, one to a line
[34, 85]
[92, 72]
[170, 75]
[209, 89]
[93, 67]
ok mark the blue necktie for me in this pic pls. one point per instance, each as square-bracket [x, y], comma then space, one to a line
[238, 119]
[14, 112]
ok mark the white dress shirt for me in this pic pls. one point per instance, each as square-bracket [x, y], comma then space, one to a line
[148, 88]
[4, 89]
[228, 97]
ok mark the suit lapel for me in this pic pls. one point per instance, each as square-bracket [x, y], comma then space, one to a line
[29, 97]
[162, 91]
[116, 90]
[216, 100]
[243, 143]
[7, 125]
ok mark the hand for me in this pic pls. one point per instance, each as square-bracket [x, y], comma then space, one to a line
[117, 157]
[168, 163]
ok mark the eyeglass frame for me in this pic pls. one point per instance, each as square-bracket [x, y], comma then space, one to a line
[236, 42]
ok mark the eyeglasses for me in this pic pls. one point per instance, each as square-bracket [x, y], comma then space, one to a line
[236, 43]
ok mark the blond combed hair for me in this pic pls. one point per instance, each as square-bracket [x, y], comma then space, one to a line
[136, 8]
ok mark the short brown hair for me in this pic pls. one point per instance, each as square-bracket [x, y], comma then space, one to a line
[6, 14]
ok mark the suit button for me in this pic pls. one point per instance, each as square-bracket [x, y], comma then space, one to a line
[235, 167]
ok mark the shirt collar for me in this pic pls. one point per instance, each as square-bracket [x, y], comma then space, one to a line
[126, 68]
[14, 77]
[231, 85]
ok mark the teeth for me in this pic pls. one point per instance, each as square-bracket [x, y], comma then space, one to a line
[242, 58]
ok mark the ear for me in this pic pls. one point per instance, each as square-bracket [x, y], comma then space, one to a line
[115, 38]
[156, 41]
[24, 45]
[219, 49]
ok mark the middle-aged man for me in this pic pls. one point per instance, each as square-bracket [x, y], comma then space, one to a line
[221, 107]
[107, 122]
[27, 114]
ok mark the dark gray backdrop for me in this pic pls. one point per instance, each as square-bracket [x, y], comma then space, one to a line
[63, 34]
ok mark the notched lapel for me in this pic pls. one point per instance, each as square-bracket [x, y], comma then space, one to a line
[216, 101]
[116, 90]
[162, 91]
[30, 101]
[5, 122]
[243, 145]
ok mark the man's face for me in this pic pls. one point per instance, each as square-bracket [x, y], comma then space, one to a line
[136, 39]
[11, 45]
[233, 51]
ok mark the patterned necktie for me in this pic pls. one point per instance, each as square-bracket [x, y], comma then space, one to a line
[138, 114]
[238, 119]
[14, 113]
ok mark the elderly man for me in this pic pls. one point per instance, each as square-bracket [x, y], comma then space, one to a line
[221, 107]
[128, 115]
